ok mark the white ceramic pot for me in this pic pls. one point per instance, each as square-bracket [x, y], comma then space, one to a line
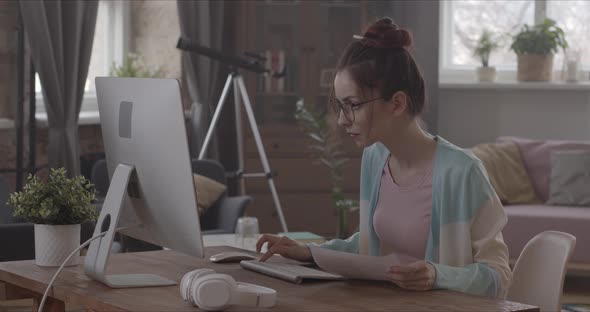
[54, 243]
[486, 74]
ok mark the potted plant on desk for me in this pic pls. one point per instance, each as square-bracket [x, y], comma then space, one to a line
[57, 208]
[486, 44]
[534, 48]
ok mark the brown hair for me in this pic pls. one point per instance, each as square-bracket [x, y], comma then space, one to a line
[380, 60]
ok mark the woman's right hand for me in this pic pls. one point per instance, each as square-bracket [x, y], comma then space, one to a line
[283, 246]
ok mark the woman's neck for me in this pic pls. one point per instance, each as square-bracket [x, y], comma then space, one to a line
[412, 148]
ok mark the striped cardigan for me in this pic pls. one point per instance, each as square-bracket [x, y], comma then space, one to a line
[465, 242]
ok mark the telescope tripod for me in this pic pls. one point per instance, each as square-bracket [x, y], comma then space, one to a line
[241, 97]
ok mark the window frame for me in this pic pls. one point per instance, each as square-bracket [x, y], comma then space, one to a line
[117, 43]
[449, 72]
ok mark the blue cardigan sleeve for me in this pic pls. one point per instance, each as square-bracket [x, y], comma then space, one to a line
[484, 217]
[347, 245]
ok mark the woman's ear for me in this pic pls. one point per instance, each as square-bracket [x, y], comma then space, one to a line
[399, 102]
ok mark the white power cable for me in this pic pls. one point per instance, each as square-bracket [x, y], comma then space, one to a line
[65, 261]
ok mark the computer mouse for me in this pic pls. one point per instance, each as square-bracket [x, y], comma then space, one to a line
[231, 256]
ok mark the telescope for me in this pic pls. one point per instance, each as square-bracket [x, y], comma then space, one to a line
[253, 66]
[241, 97]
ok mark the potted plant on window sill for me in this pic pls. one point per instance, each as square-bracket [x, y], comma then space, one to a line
[486, 44]
[535, 47]
[57, 208]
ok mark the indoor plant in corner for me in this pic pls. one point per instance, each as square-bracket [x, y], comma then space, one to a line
[56, 208]
[316, 125]
[485, 45]
[534, 48]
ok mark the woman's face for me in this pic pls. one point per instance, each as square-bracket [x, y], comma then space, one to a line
[363, 115]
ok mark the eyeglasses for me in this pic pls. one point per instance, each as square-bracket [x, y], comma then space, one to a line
[348, 108]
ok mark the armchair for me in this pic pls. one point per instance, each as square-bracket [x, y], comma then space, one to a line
[220, 218]
[223, 215]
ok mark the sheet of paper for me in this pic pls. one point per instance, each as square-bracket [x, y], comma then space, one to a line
[355, 266]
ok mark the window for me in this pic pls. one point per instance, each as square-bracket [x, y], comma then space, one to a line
[464, 20]
[573, 17]
[109, 46]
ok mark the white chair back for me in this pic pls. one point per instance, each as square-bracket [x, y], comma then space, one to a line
[539, 272]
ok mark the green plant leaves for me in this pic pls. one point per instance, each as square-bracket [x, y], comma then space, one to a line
[316, 126]
[60, 200]
[133, 66]
[485, 46]
[541, 39]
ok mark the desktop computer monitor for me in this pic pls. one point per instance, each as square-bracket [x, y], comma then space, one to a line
[151, 193]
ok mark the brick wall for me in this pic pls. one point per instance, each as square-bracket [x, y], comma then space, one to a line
[8, 85]
[8, 38]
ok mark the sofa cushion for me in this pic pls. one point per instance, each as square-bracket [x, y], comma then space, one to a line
[506, 172]
[536, 157]
[570, 178]
[526, 221]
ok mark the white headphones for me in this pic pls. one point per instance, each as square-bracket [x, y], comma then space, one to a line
[213, 291]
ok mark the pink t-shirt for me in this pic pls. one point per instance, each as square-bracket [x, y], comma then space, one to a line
[402, 215]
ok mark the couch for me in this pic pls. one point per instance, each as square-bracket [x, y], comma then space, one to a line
[525, 221]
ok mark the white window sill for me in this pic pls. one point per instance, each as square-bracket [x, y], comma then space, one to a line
[88, 116]
[465, 79]
[515, 85]
[85, 118]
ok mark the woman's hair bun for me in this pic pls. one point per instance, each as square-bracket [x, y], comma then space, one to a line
[384, 33]
[384, 21]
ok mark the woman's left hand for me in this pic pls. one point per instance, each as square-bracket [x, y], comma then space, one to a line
[419, 275]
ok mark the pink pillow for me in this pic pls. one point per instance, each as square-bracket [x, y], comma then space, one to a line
[536, 155]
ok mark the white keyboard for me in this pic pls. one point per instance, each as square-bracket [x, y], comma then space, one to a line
[290, 272]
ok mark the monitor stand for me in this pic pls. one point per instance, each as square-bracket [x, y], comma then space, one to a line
[95, 263]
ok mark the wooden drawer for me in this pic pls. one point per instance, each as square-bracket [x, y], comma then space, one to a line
[300, 174]
[282, 130]
[313, 212]
[294, 147]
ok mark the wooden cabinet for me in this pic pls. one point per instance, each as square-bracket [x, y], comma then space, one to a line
[310, 36]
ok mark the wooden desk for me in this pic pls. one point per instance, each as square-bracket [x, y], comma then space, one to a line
[73, 287]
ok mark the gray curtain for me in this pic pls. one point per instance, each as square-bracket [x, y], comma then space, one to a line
[202, 23]
[60, 37]
[422, 18]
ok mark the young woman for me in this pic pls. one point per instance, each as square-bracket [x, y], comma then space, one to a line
[420, 195]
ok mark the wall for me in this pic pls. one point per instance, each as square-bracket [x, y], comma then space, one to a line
[154, 33]
[425, 46]
[470, 116]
